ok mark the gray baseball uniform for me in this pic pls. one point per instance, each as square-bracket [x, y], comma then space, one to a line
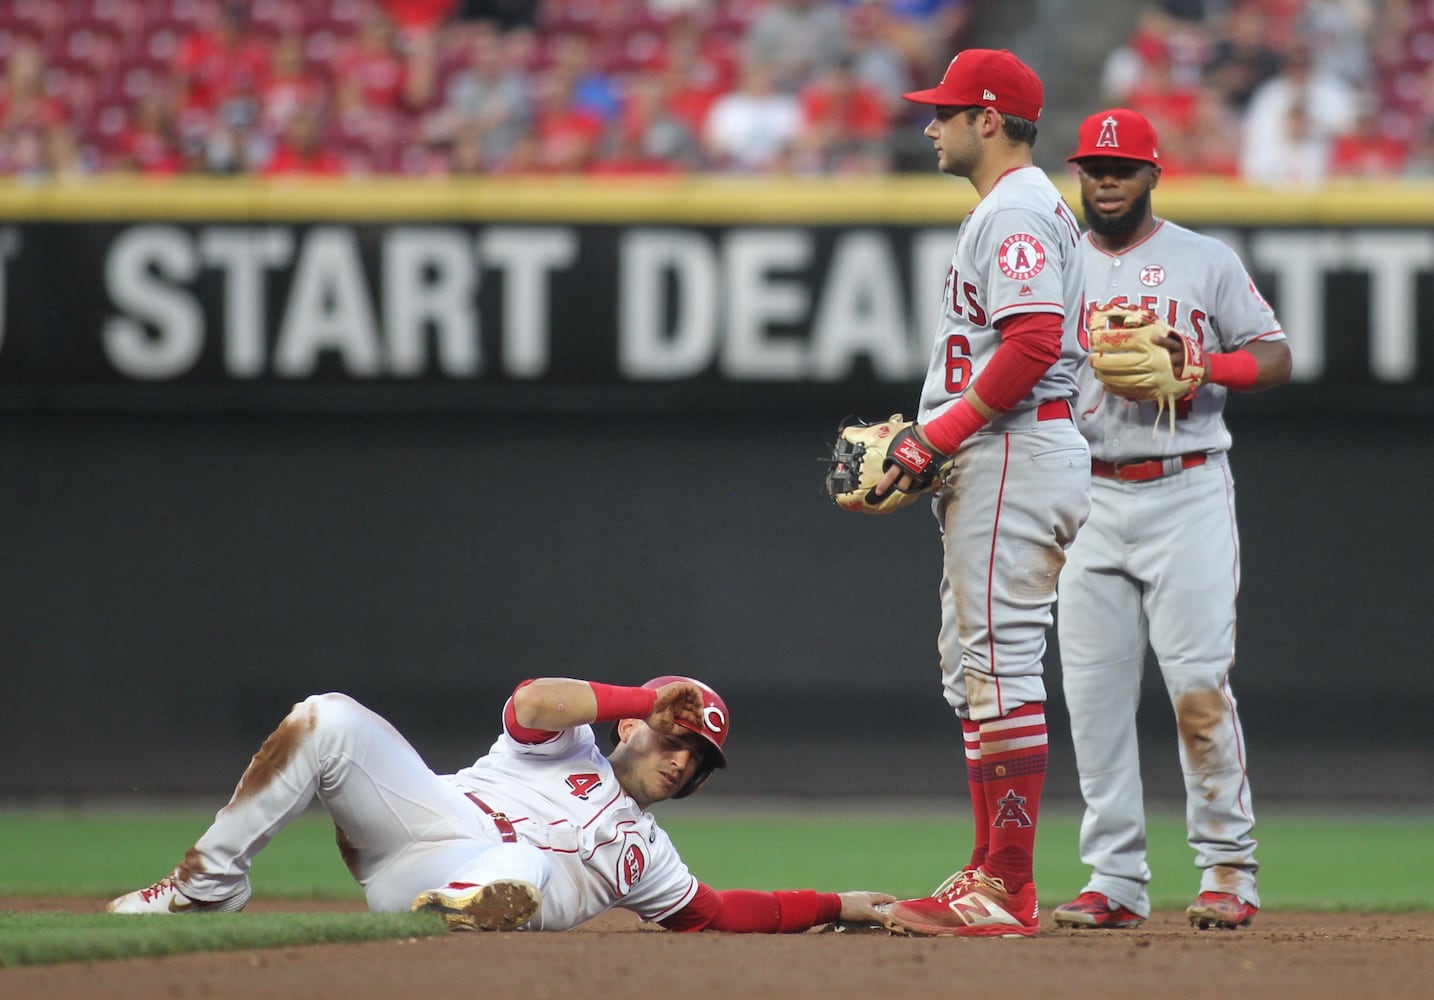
[1020, 485]
[1158, 562]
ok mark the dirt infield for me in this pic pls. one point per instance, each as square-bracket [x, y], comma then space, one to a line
[1283, 956]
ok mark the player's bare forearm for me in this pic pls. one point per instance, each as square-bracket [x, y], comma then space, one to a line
[1273, 358]
[554, 703]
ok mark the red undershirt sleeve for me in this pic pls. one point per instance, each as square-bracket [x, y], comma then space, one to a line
[746, 911]
[1030, 344]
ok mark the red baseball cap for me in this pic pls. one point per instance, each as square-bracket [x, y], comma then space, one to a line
[987, 78]
[1119, 133]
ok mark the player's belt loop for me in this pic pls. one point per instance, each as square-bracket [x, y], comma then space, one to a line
[506, 833]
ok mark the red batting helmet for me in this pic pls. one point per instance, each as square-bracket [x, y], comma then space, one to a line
[715, 723]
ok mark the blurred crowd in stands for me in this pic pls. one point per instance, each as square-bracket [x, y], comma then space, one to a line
[1278, 92]
[434, 87]
[1283, 93]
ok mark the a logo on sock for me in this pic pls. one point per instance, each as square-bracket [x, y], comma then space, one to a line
[1012, 811]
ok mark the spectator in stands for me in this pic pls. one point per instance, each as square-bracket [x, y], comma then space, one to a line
[486, 101]
[1367, 150]
[1240, 59]
[753, 128]
[796, 41]
[1338, 32]
[373, 64]
[844, 125]
[1292, 120]
[302, 150]
[36, 136]
[289, 86]
[565, 134]
[590, 88]
[648, 136]
[150, 144]
[1209, 145]
[923, 33]
[1160, 44]
[218, 58]
[882, 54]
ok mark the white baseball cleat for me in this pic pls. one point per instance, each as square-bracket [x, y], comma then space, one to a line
[500, 905]
[165, 897]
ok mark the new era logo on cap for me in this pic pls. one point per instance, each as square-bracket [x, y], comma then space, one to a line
[991, 78]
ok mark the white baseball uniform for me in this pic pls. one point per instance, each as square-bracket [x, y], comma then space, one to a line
[1159, 562]
[564, 823]
[1020, 485]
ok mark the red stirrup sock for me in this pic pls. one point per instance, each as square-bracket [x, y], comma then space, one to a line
[1013, 772]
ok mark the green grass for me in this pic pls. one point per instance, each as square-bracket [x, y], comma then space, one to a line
[1308, 862]
[42, 938]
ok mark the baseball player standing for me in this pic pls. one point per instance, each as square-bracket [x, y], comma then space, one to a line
[542, 833]
[1159, 559]
[995, 408]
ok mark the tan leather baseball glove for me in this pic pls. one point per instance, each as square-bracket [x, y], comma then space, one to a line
[1131, 354]
[864, 451]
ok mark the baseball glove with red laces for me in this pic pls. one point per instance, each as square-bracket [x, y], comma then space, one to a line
[864, 451]
[1136, 355]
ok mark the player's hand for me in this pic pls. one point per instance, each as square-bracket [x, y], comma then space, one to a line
[896, 477]
[861, 908]
[677, 701]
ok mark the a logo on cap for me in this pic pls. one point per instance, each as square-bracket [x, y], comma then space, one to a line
[986, 95]
[1107, 135]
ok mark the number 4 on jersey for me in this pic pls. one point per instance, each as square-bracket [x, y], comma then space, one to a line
[584, 784]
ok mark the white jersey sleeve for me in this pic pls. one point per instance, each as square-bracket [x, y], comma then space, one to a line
[1016, 252]
[562, 797]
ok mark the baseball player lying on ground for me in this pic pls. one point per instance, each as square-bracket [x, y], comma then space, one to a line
[542, 833]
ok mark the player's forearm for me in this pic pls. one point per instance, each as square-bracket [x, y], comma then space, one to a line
[1252, 368]
[555, 703]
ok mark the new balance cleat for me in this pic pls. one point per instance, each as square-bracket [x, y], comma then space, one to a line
[971, 904]
[165, 896]
[501, 905]
[1091, 909]
[1220, 909]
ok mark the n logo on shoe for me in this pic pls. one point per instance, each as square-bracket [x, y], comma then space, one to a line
[972, 909]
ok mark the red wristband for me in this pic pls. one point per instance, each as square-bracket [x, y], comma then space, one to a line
[947, 431]
[617, 702]
[1238, 369]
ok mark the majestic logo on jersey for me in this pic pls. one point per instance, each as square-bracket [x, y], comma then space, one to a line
[631, 867]
[1152, 275]
[1022, 257]
[584, 784]
[713, 717]
[1012, 811]
[1107, 138]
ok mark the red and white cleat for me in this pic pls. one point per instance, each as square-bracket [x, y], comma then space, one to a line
[1220, 909]
[1091, 909]
[165, 896]
[971, 904]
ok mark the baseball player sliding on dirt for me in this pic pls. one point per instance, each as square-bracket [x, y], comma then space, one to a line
[542, 833]
[1011, 474]
[1175, 323]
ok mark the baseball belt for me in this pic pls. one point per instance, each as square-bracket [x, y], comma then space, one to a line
[1144, 469]
[506, 833]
